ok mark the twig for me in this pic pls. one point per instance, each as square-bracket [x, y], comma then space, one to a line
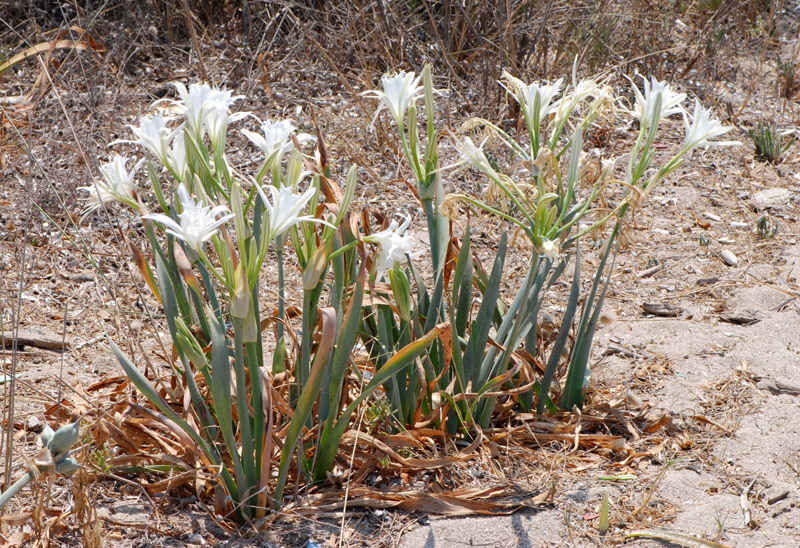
[649, 272]
[188, 14]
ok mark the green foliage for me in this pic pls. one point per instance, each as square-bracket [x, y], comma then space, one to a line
[787, 83]
[770, 144]
[767, 227]
[434, 357]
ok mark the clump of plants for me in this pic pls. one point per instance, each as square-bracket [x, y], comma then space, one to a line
[262, 392]
[787, 82]
[769, 142]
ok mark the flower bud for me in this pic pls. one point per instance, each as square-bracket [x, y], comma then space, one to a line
[315, 268]
[64, 438]
[401, 291]
[67, 466]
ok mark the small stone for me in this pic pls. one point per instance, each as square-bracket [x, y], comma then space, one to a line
[712, 216]
[729, 257]
[34, 424]
[771, 198]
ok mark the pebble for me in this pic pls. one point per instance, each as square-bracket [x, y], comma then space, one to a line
[729, 257]
[712, 216]
[34, 424]
[771, 198]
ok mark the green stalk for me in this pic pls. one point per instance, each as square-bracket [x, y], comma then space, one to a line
[281, 295]
[245, 427]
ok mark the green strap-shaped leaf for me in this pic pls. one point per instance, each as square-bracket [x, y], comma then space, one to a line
[307, 398]
[148, 390]
[563, 334]
[396, 363]
[341, 358]
[483, 321]
[573, 386]
[462, 286]
[221, 390]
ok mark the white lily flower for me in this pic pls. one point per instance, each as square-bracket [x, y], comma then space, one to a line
[217, 118]
[197, 222]
[646, 104]
[116, 186]
[474, 155]
[276, 138]
[177, 157]
[399, 91]
[284, 211]
[195, 102]
[703, 128]
[528, 94]
[394, 245]
[550, 249]
[154, 135]
[565, 105]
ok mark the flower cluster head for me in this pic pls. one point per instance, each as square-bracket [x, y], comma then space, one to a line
[198, 222]
[284, 211]
[154, 135]
[116, 185]
[535, 99]
[201, 99]
[394, 245]
[702, 128]
[276, 139]
[399, 92]
[474, 156]
[645, 107]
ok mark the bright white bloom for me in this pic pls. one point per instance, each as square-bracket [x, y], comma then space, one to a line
[394, 245]
[177, 157]
[471, 154]
[284, 211]
[217, 118]
[399, 91]
[536, 100]
[276, 138]
[116, 185]
[565, 105]
[195, 102]
[703, 128]
[549, 249]
[646, 104]
[198, 222]
[154, 135]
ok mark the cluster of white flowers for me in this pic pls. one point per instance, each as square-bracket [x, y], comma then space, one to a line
[399, 92]
[116, 185]
[206, 111]
[535, 99]
[539, 101]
